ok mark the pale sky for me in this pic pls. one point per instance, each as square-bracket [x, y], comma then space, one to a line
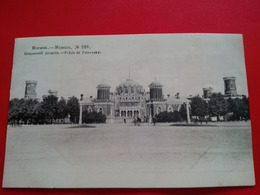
[183, 63]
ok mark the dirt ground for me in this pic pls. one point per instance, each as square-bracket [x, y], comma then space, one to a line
[123, 155]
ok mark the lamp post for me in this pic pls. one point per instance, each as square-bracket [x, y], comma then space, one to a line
[80, 114]
[80, 109]
[150, 113]
[188, 112]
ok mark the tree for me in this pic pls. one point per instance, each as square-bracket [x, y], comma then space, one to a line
[14, 108]
[21, 110]
[28, 107]
[246, 112]
[218, 106]
[199, 107]
[183, 112]
[239, 108]
[39, 116]
[62, 109]
[50, 107]
[73, 109]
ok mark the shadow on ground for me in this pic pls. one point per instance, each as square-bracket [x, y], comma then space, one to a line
[194, 125]
[82, 126]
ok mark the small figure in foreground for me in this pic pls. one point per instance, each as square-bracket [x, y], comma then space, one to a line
[138, 121]
[154, 121]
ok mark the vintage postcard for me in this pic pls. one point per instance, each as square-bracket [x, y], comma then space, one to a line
[129, 111]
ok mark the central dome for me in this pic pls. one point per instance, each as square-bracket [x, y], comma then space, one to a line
[129, 86]
[129, 82]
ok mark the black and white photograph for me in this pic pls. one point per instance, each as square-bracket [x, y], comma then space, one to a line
[129, 111]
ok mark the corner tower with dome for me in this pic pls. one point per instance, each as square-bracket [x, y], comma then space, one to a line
[130, 100]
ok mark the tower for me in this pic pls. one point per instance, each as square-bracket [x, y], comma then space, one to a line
[30, 89]
[230, 86]
[53, 92]
[103, 92]
[207, 92]
[156, 91]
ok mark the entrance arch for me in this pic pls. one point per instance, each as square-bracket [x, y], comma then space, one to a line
[123, 113]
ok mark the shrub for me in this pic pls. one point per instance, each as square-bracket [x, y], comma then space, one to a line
[93, 117]
[169, 117]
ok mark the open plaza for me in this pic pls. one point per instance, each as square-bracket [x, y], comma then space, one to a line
[124, 155]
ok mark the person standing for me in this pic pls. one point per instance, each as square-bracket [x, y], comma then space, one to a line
[154, 121]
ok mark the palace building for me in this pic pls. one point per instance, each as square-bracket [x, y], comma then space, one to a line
[130, 100]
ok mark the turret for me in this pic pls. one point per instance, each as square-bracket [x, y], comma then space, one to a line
[30, 89]
[230, 86]
[103, 92]
[156, 93]
[53, 92]
[207, 92]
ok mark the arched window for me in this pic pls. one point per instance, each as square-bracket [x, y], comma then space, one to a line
[170, 109]
[100, 110]
[123, 113]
